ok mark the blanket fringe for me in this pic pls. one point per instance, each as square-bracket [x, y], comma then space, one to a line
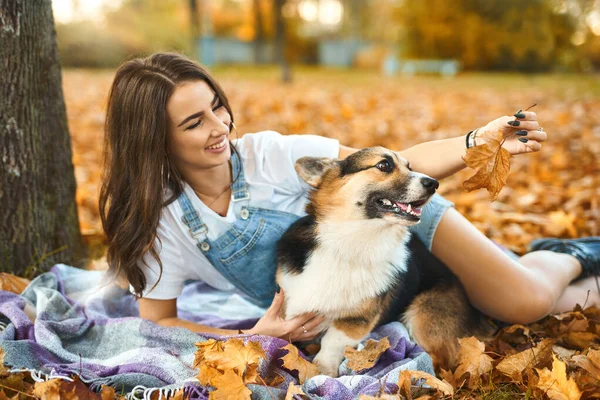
[146, 393]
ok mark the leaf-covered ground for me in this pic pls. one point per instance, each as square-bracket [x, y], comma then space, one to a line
[555, 192]
[552, 193]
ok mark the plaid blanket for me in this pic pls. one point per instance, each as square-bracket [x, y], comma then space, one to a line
[84, 326]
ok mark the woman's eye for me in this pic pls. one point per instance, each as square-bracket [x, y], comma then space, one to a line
[194, 125]
[384, 166]
[408, 166]
[218, 105]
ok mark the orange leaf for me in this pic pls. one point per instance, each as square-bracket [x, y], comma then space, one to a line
[293, 361]
[442, 386]
[235, 355]
[492, 163]
[48, 390]
[368, 356]
[209, 346]
[12, 283]
[514, 365]
[206, 373]
[229, 386]
[293, 390]
[472, 360]
[555, 383]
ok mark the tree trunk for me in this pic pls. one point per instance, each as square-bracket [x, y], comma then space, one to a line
[286, 73]
[38, 214]
[195, 26]
[259, 35]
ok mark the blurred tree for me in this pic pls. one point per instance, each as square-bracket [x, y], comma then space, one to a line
[259, 32]
[39, 219]
[194, 25]
[280, 40]
[488, 34]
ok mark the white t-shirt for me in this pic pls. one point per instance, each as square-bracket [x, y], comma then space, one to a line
[268, 159]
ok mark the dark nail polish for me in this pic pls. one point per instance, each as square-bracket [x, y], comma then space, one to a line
[521, 133]
[514, 123]
[523, 140]
[520, 115]
[278, 289]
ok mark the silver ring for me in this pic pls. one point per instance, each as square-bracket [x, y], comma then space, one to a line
[304, 329]
[540, 129]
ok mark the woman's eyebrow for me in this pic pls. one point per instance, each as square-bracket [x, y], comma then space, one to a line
[198, 114]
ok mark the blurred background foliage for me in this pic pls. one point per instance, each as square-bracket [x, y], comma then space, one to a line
[521, 35]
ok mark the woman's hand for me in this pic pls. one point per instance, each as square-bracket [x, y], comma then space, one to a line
[523, 125]
[292, 330]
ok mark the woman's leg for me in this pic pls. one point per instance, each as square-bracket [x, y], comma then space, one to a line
[584, 292]
[520, 291]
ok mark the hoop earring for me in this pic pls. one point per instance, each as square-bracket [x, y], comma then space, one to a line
[168, 174]
[236, 131]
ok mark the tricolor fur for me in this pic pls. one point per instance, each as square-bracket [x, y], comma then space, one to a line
[350, 258]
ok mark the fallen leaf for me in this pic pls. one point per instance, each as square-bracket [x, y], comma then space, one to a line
[293, 390]
[589, 362]
[368, 356]
[293, 361]
[404, 383]
[12, 283]
[235, 355]
[514, 365]
[48, 390]
[492, 163]
[579, 340]
[472, 360]
[206, 373]
[229, 386]
[442, 386]
[555, 383]
[107, 393]
[209, 346]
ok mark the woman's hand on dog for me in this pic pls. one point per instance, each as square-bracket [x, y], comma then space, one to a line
[522, 132]
[292, 330]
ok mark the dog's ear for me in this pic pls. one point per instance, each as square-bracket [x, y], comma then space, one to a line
[312, 169]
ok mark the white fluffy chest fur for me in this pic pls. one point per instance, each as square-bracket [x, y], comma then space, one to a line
[353, 261]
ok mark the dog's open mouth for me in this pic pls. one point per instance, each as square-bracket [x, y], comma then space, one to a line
[411, 210]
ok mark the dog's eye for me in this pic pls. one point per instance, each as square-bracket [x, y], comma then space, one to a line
[384, 166]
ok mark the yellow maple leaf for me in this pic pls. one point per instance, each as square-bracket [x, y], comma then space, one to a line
[229, 386]
[206, 373]
[368, 356]
[235, 355]
[492, 163]
[555, 383]
[209, 346]
[293, 361]
[472, 360]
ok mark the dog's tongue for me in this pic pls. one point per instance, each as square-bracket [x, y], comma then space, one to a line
[405, 207]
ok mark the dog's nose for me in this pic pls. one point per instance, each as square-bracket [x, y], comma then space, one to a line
[430, 183]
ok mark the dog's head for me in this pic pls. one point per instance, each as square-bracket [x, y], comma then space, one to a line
[371, 183]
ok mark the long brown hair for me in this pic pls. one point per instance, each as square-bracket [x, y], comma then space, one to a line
[136, 167]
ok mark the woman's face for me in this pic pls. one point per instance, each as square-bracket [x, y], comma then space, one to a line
[198, 128]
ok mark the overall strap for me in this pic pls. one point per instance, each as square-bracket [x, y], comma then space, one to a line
[190, 217]
[239, 191]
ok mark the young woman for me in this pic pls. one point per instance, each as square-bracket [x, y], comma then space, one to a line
[180, 201]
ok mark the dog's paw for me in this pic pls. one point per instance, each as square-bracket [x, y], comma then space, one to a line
[327, 365]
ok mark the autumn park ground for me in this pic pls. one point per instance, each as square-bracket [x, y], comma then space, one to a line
[555, 192]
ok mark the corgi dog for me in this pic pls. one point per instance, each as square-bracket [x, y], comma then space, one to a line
[352, 259]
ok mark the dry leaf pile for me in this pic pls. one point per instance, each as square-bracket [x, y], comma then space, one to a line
[556, 358]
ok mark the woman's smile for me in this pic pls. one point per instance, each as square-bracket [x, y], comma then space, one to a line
[218, 147]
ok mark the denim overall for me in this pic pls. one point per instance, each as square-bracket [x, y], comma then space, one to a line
[245, 254]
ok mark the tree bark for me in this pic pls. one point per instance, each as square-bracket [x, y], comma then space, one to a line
[280, 40]
[38, 214]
